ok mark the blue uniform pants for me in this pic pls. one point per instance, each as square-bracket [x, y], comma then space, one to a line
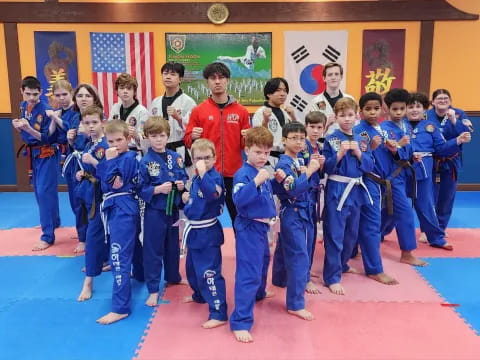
[124, 230]
[445, 197]
[204, 273]
[252, 257]
[425, 208]
[45, 186]
[96, 247]
[340, 232]
[161, 248]
[70, 177]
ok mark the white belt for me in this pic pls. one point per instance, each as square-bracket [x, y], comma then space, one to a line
[193, 224]
[269, 221]
[104, 216]
[422, 153]
[351, 183]
[73, 155]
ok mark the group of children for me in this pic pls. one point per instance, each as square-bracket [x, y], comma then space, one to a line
[127, 187]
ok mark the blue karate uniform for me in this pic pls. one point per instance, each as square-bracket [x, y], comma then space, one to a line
[121, 217]
[255, 209]
[88, 193]
[446, 168]
[296, 230]
[426, 138]
[43, 158]
[204, 236]
[341, 221]
[160, 238]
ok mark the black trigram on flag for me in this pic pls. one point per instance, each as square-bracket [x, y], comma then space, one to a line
[298, 103]
[331, 53]
[300, 54]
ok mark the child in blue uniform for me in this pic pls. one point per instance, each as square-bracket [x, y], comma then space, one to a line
[451, 122]
[34, 126]
[397, 169]
[427, 140]
[162, 178]
[121, 215]
[89, 195]
[204, 234]
[348, 157]
[296, 227]
[253, 197]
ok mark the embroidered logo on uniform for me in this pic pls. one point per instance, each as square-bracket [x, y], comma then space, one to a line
[132, 121]
[363, 145]
[392, 135]
[39, 118]
[153, 168]
[430, 128]
[180, 162]
[322, 105]
[209, 274]
[100, 153]
[233, 118]
[200, 194]
[365, 135]
[334, 143]
[237, 187]
[37, 126]
[154, 111]
[272, 125]
[210, 117]
[288, 183]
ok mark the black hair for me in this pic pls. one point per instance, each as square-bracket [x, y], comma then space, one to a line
[293, 127]
[417, 97]
[396, 95]
[31, 82]
[273, 84]
[370, 96]
[441, 91]
[174, 67]
[216, 68]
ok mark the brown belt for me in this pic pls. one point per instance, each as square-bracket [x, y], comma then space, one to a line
[94, 181]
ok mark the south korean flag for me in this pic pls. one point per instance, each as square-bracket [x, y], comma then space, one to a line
[305, 54]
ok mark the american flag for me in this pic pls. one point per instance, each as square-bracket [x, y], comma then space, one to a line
[116, 53]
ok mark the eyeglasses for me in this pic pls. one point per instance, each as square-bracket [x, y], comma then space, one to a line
[296, 138]
[206, 158]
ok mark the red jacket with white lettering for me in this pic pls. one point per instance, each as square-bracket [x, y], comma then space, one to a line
[222, 127]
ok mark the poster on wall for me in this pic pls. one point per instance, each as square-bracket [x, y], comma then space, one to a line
[247, 55]
[116, 53]
[56, 59]
[306, 52]
[383, 59]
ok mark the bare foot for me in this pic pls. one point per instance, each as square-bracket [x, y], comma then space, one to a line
[408, 258]
[111, 317]
[80, 248]
[152, 300]
[41, 245]
[314, 274]
[106, 267]
[445, 246]
[269, 294]
[187, 299]
[337, 289]
[384, 279]
[423, 238]
[311, 288]
[181, 282]
[352, 270]
[302, 314]
[212, 323]
[87, 289]
[243, 336]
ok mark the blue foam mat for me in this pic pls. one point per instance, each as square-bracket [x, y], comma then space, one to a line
[20, 210]
[456, 280]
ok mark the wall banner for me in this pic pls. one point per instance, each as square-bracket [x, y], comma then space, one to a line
[306, 52]
[56, 59]
[248, 56]
[383, 58]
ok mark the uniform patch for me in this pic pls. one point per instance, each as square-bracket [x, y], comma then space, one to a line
[288, 183]
[233, 118]
[363, 145]
[364, 134]
[37, 126]
[237, 187]
[132, 121]
[153, 168]
[322, 105]
[100, 153]
[39, 118]
[392, 135]
[200, 194]
[272, 125]
[430, 128]
[154, 111]
[180, 162]
[335, 143]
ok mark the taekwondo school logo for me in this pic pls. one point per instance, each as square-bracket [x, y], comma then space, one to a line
[200, 194]
[322, 105]
[153, 168]
[233, 118]
[116, 248]
[154, 111]
[288, 183]
[180, 162]
[365, 135]
[177, 42]
[335, 143]
[100, 153]
[272, 125]
[430, 128]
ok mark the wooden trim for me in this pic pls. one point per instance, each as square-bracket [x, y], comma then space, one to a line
[14, 78]
[240, 12]
[468, 187]
[473, 113]
[5, 115]
[425, 55]
[9, 188]
[15, 188]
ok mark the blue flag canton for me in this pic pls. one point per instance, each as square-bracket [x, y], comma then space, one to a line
[108, 52]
